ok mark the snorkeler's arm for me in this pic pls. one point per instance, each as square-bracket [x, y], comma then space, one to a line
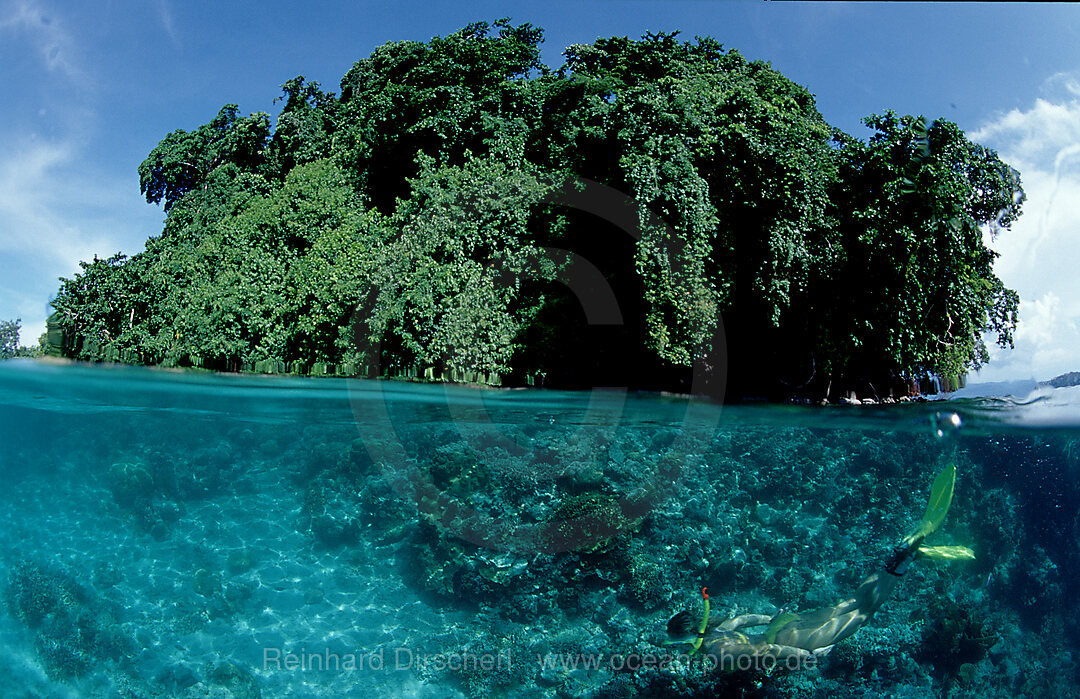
[744, 654]
[745, 620]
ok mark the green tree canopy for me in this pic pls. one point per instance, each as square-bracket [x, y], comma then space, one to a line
[449, 288]
[425, 194]
[910, 207]
[9, 337]
[183, 161]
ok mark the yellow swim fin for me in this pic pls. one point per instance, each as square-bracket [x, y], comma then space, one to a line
[947, 553]
[940, 498]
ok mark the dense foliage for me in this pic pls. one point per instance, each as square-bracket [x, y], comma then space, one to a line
[9, 338]
[413, 225]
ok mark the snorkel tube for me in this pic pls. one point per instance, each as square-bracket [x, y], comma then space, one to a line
[704, 622]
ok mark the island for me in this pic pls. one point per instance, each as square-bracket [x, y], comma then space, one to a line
[654, 213]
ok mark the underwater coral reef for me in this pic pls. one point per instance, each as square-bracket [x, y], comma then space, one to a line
[286, 551]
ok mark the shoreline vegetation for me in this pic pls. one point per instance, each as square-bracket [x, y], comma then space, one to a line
[54, 359]
[1066, 380]
[658, 214]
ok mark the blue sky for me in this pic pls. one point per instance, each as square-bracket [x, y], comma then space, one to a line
[92, 87]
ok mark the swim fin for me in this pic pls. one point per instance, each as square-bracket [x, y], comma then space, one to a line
[947, 553]
[938, 506]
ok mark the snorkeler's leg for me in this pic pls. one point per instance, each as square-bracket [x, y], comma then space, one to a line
[825, 627]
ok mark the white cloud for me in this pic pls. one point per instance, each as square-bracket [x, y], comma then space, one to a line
[47, 34]
[1036, 135]
[35, 198]
[166, 18]
[1046, 341]
[1040, 256]
[56, 206]
[1062, 84]
[56, 210]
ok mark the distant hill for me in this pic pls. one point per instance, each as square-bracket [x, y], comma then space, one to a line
[994, 389]
[1072, 378]
[1016, 388]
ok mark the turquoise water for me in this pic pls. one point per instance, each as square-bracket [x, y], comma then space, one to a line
[193, 535]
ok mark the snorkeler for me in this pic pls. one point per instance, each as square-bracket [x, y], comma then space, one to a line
[794, 638]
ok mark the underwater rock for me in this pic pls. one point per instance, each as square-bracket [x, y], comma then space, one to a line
[586, 521]
[647, 583]
[238, 681]
[169, 512]
[313, 595]
[241, 561]
[436, 559]
[359, 459]
[332, 513]
[588, 477]
[206, 583]
[966, 673]
[105, 575]
[333, 530]
[766, 514]
[130, 483]
[71, 633]
[873, 652]
[501, 675]
[62, 660]
[319, 458]
[235, 593]
[955, 635]
[209, 471]
[34, 593]
[159, 532]
[498, 568]
[176, 678]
